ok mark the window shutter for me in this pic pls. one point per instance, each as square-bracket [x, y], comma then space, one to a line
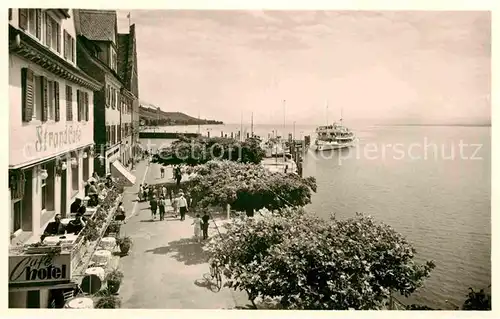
[23, 19]
[56, 101]
[86, 106]
[28, 94]
[58, 38]
[48, 33]
[39, 23]
[65, 44]
[69, 103]
[45, 98]
[107, 95]
[10, 14]
[78, 105]
[72, 48]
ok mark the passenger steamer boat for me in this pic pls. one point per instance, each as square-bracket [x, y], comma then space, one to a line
[335, 136]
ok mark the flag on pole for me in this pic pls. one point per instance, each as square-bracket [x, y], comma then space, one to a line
[128, 15]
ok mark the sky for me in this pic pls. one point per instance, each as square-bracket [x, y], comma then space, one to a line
[414, 66]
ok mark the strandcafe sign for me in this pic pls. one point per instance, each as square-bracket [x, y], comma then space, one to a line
[39, 268]
[46, 139]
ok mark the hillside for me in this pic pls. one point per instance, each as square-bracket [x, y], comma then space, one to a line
[150, 115]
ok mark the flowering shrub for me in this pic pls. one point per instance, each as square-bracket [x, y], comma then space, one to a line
[477, 300]
[303, 262]
[248, 187]
[200, 150]
[91, 231]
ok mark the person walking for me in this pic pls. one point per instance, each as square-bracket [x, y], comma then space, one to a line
[182, 205]
[205, 220]
[162, 172]
[140, 195]
[175, 205]
[161, 207]
[197, 227]
[146, 192]
[178, 176]
[153, 203]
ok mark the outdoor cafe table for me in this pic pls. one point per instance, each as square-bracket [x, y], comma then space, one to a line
[64, 239]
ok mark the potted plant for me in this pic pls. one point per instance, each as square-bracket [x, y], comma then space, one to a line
[113, 228]
[114, 280]
[40, 248]
[108, 302]
[125, 243]
[90, 232]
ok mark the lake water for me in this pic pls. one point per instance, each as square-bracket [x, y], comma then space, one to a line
[432, 184]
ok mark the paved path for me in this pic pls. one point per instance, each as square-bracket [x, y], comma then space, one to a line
[130, 195]
[165, 267]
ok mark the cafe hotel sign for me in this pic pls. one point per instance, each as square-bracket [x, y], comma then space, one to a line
[29, 269]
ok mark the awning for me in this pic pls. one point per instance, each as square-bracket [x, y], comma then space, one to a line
[119, 171]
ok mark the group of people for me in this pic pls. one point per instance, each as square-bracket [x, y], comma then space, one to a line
[74, 226]
[96, 190]
[157, 197]
[201, 226]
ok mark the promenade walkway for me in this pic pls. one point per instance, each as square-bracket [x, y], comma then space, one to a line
[165, 267]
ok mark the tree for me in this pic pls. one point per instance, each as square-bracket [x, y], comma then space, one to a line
[248, 187]
[200, 150]
[304, 262]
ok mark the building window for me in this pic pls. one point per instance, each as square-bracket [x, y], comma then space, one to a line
[44, 196]
[40, 97]
[75, 178]
[53, 33]
[114, 61]
[107, 95]
[86, 168]
[107, 135]
[79, 105]
[17, 216]
[31, 20]
[113, 98]
[37, 115]
[69, 47]
[86, 105]
[51, 101]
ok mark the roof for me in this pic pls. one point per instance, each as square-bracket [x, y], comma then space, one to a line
[127, 60]
[123, 42]
[96, 25]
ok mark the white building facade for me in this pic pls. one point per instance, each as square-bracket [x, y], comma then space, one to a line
[51, 124]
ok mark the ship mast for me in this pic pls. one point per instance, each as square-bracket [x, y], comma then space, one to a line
[326, 114]
[251, 128]
[284, 125]
[198, 121]
[241, 127]
[341, 114]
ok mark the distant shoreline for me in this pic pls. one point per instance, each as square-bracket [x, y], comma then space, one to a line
[462, 125]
